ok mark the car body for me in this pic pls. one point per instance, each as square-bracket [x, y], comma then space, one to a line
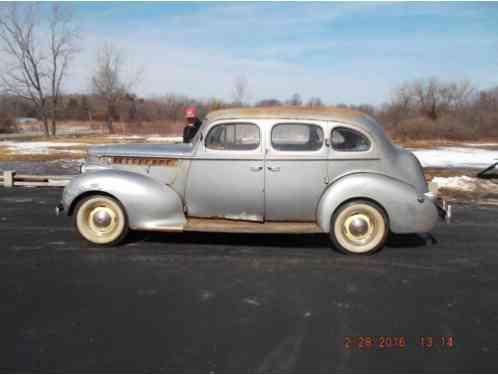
[260, 170]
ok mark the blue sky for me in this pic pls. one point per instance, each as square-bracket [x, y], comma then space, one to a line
[341, 52]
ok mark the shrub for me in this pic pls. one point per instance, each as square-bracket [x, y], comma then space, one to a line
[7, 123]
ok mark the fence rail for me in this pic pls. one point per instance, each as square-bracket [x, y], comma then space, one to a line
[12, 179]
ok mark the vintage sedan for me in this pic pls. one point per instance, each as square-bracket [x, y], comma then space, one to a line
[258, 170]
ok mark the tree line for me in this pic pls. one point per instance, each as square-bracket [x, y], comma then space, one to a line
[37, 51]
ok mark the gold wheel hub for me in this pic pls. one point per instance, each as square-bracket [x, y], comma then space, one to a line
[358, 228]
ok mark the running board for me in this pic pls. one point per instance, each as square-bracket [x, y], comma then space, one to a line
[235, 226]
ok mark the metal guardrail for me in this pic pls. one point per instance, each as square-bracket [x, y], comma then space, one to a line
[12, 179]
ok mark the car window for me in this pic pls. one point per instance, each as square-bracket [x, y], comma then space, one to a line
[345, 139]
[233, 136]
[296, 137]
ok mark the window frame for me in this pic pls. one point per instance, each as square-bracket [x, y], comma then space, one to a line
[352, 130]
[232, 123]
[300, 152]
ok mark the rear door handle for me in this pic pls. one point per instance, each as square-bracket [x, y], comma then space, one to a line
[274, 169]
[256, 168]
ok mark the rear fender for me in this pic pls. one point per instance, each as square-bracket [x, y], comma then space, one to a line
[406, 213]
[148, 204]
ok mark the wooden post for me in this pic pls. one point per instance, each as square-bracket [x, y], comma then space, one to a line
[8, 178]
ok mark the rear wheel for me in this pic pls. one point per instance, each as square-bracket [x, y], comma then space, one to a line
[101, 220]
[359, 227]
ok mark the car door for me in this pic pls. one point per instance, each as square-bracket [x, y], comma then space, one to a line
[226, 178]
[296, 170]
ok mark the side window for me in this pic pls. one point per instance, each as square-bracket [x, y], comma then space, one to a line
[234, 136]
[296, 137]
[345, 139]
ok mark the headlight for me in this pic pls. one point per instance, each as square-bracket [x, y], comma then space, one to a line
[105, 159]
[92, 167]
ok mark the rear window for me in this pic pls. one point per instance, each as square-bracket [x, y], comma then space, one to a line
[297, 137]
[346, 139]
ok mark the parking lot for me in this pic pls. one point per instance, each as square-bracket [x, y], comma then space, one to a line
[243, 303]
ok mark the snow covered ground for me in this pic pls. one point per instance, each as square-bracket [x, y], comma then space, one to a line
[150, 138]
[41, 148]
[456, 157]
[464, 183]
[160, 139]
[47, 148]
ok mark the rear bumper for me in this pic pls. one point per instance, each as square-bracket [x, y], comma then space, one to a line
[444, 209]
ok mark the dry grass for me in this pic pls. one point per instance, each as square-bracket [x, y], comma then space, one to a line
[164, 128]
[7, 155]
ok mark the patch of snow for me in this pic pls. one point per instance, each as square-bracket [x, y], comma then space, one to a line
[125, 137]
[480, 144]
[456, 157]
[164, 139]
[41, 147]
[464, 183]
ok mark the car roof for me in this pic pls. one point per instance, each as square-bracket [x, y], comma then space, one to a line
[289, 112]
[343, 115]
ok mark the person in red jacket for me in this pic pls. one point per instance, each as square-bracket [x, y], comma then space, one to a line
[192, 124]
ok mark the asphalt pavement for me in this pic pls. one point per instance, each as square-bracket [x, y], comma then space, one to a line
[202, 302]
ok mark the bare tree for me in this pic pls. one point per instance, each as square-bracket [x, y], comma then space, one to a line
[62, 45]
[269, 103]
[456, 95]
[240, 90]
[24, 75]
[295, 100]
[431, 97]
[109, 81]
[314, 102]
[34, 66]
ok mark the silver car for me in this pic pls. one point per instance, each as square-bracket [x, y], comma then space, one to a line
[258, 170]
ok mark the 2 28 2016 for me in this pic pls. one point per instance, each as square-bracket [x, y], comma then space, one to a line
[397, 342]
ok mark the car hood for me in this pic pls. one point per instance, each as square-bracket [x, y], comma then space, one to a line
[142, 149]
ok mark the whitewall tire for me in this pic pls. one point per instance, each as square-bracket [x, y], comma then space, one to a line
[359, 227]
[101, 220]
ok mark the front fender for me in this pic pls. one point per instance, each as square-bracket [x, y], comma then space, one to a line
[148, 204]
[406, 210]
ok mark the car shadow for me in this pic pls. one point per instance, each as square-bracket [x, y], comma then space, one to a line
[411, 240]
[235, 239]
[269, 240]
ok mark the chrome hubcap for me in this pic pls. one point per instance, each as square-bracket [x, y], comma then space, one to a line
[358, 228]
[102, 220]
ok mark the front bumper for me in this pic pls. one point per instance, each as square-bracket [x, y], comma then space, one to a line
[59, 209]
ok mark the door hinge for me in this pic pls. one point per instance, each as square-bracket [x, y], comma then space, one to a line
[327, 180]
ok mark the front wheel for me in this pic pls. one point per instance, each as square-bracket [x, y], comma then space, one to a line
[359, 227]
[101, 220]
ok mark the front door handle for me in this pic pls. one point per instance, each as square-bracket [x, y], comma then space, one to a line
[256, 168]
[274, 169]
